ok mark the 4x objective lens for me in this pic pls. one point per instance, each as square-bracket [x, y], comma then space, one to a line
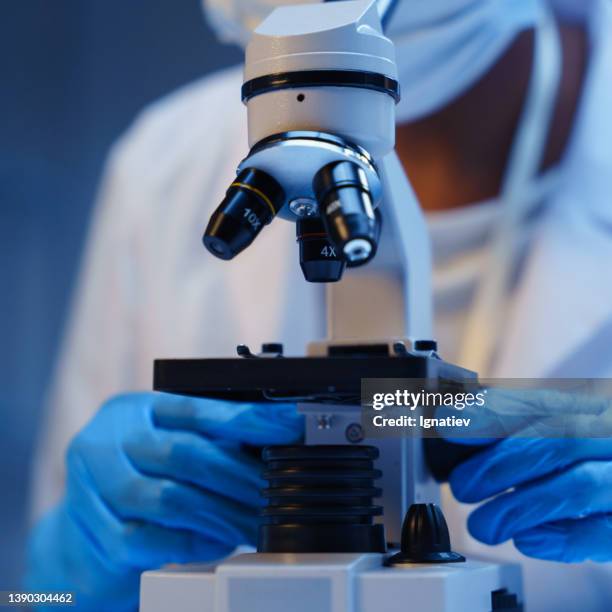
[251, 202]
[345, 204]
[320, 260]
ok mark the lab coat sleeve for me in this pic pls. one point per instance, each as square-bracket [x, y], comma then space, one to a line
[95, 358]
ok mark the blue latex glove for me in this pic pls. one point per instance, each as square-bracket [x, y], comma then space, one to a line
[154, 479]
[552, 496]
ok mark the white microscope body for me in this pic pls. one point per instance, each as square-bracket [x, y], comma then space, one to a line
[320, 88]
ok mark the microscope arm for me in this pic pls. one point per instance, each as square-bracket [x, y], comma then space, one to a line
[404, 214]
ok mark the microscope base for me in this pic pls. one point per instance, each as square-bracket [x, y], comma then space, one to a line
[272, 582]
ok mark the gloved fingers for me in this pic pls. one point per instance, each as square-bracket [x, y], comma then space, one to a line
[258, 424]
[531, 413]
[516, 461]
[134, 544]
[100, 528]
[180, 506]
[582, 490]
[543, 402]
[178, 455]
[118, 514]
[132, 495]
[569, 541]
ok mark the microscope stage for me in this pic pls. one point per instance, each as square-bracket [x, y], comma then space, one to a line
[336, 379]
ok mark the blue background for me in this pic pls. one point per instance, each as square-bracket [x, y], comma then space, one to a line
[73, 74]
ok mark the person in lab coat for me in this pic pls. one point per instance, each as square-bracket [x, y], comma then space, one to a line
[149, 290]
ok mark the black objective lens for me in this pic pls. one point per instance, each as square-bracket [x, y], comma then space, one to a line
[251, 202]
[320, 260]
[345, 203]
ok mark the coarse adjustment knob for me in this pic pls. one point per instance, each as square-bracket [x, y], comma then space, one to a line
[425, 538]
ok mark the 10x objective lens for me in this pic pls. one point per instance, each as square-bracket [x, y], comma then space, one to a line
[251, 202]
[345, 204]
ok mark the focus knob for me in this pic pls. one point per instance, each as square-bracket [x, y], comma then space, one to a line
[425, 538]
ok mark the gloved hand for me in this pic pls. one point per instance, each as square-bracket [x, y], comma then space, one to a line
[552, 496]
[154, 479]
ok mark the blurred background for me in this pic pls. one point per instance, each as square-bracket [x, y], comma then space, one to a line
[74, 75]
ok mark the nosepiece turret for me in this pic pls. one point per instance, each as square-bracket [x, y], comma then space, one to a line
[320, 87]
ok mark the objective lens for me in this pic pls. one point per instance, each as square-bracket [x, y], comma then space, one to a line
[251, 202]
[320, 260]
[345, 203]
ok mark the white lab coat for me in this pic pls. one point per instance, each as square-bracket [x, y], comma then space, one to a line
[148, 289]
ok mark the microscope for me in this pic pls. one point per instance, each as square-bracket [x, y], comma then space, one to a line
[351, 522]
